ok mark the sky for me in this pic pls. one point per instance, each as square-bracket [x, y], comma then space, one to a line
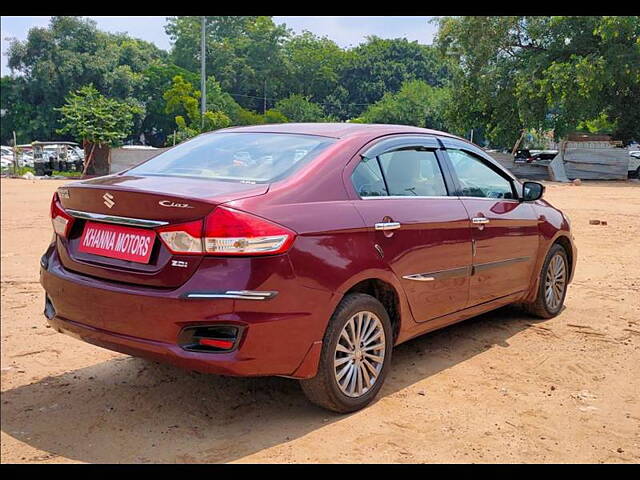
[345, 31]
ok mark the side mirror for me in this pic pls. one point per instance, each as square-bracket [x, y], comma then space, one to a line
[532, 191]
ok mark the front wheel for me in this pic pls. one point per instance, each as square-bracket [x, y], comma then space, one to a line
[355, 356]
[552, 289]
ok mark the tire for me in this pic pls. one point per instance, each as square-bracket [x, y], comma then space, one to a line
[638, 172]
[327, 389]
[548, 306]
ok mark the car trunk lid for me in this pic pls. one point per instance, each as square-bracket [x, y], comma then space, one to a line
[141, 204]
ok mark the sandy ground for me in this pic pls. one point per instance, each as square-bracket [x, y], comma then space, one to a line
[503, 387]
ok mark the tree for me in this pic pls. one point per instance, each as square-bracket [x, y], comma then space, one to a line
[97, 121]
[274, 116]
[68, 54]
[543, 73]
[299, 109]
[183, 101]
[417, 103]
[156, 126]
[245, 54]
[18, 114]
[313, 65]
[381, 65]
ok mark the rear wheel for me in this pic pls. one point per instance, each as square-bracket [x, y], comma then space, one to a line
[552, 289]
[355, 356]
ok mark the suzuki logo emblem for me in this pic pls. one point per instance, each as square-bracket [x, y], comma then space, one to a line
[108, 200]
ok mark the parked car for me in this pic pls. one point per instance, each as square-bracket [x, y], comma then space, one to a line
[325, 247]
[6, 157]
[530, 156]
[634, 163]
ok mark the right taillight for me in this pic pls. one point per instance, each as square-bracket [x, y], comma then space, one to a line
[61, 220]
[228, 232]
[232, 232]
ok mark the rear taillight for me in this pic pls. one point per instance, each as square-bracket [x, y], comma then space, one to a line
[228, 232]
[61, 220]
[232, 232]
[184, 238]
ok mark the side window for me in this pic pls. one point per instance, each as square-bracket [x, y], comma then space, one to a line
[413, 173]
[477, 179]
[367, 179]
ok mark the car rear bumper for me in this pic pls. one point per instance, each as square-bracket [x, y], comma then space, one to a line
[279, 336]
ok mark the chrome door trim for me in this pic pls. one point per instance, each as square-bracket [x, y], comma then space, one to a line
[499, 263]
[440, 274]
[384, 226]
[462, 271]
[233, 294]
[420, 277]
[99, 217]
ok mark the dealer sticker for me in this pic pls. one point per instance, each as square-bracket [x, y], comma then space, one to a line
[116, 241]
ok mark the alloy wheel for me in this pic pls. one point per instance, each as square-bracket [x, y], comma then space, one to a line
[555, 282]
[359, 354]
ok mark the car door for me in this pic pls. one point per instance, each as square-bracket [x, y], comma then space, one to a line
[504, 229]
[421, 231]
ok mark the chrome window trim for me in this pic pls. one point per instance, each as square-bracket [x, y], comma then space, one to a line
[513, 200]
[136, 222]
[392, 197]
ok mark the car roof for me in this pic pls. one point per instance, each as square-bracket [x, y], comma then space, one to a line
[337, 130]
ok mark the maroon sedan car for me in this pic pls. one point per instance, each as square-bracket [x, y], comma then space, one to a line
[300, 250]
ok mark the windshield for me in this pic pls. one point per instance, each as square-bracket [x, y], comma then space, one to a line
[241, 157]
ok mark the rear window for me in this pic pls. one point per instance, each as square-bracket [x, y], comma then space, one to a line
[236, 157]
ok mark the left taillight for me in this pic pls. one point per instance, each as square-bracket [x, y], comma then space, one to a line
[183, 238]
[61, 220]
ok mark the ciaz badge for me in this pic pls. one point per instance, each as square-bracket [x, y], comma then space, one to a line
[169, 203]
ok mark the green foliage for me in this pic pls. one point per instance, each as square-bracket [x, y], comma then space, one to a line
[299, 109]
[68, 54]
[274, 116]
[543, 73]
[242, 53]
[248, 117]
[183, 100]
[417, 103]
[495, 75]
[156, 125]
[314, 65]
[381, 65]
[88, 115]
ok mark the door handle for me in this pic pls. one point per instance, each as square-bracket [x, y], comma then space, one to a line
[480, 220]
[387, 226]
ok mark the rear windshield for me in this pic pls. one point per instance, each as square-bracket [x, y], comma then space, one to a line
[236, 157]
